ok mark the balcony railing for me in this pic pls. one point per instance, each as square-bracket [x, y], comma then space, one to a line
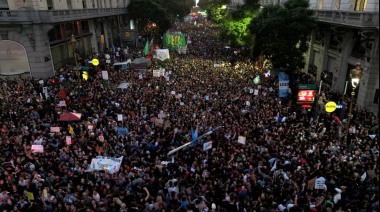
[55, 16]
[350, 18]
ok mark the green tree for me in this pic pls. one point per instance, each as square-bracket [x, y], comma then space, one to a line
[234, 27]
[282, 33]
[217, 9]
[148, 12]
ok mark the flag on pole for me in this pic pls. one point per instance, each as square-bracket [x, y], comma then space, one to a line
[274, 166]
[146, 49]
[149, 55]
[71, 131]
[364, 176]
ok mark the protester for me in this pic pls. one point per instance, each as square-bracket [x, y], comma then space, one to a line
[286, 149]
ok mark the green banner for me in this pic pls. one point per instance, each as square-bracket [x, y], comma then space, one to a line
[172, 40]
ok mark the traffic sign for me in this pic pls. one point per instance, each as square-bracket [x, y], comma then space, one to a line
[127, 34]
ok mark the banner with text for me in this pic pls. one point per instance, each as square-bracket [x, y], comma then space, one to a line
[283, 80]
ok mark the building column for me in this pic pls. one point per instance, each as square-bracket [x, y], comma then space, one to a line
[105, 28]
[310, 56]
[347, 45]
[370, 80]
[325, 53]
[94, 41]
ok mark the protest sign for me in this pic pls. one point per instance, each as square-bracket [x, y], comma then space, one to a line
[90, 127]
[68, 140]
[270, 89]
[121, 130]
[158, 121]
[256, 92]
[320, 183]
[44, 90]
[162, 72]
[311, 183]
[241, 140]
[120, 117]
[216, 65]
[170, 72]
[140, 77]
[105, 75]
[38, 148]
[250, 90]
[162, 115]
[62, 103]
[108, 164]
[101, 138]
[41, 82]
[181, 103]
[54, 129]
[207, 145]
[248, 103]
[173, 92]
[156, 73]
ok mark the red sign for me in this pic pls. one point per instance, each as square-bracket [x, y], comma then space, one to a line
[306, 106]
[306, 95]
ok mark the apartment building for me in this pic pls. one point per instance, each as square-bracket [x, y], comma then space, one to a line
[35, 35]
[347, 33]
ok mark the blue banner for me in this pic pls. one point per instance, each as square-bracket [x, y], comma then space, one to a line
[283, 84]
[122, 130]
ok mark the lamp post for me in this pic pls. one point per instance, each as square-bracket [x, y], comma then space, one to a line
[355, 79]
[74, 42]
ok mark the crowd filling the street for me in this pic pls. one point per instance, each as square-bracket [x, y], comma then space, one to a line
[115, 143]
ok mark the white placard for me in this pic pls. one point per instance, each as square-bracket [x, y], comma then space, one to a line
[41, 82]
[108, 56]
[120, 117]
[44, 90]
[173, 92]
[108, 61]
[105, 75]
[270, 89]
[140, 76]
[156, 73]
[256, 92]
[38, 148]
[320, 183]
[216, 65]
[259, 86]
[248, 103]
[180, 95]
[62, 103]
[250, 90]
[167, 78]
[90, 127]
[181, 103]
[170, 72]
[68, 140]
[241, 140]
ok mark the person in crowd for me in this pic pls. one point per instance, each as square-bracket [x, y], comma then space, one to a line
[269, 154]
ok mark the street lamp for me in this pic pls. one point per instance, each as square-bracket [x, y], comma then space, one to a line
[355, 79]
[74, 42]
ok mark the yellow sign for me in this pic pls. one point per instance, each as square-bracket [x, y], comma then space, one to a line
[330, 107]
[95, 62]
[85, 75]
[127, 34]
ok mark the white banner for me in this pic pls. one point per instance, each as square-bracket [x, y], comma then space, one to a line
[109, 164]
[162, 54]
[156, 73]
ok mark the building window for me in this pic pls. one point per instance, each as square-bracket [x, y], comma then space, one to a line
[55, 33]
[360, 5]
[320, 4]
[85, 27]
[337, 4]
[376, 98]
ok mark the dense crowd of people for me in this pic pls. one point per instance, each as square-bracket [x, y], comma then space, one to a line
[275, 168]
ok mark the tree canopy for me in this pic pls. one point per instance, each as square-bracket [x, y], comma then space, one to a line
[234, 27]
[161, 13]
[215, 8]
[282, 33]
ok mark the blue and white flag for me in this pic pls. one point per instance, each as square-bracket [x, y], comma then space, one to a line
[283, 79]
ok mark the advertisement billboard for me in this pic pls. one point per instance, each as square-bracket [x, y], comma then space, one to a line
[13, 58]
[306, 96]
